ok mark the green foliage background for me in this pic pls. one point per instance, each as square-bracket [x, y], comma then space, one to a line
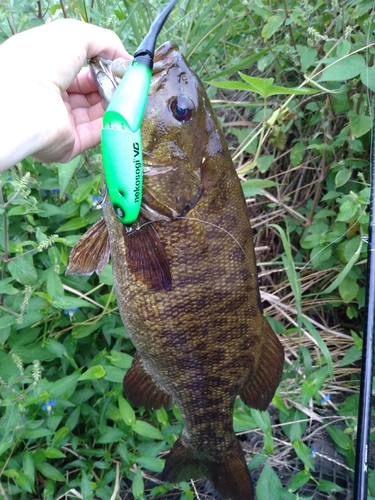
[292, 82]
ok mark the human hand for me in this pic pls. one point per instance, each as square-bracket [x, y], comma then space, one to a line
[49, 104]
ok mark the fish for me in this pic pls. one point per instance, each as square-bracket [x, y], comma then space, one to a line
[186, 283]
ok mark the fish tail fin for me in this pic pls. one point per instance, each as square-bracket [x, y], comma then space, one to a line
[227, 472]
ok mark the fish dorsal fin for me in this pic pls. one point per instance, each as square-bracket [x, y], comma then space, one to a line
[91, 253]
[146, 258]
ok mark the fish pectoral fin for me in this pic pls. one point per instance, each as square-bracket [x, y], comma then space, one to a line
[146, 258]
[258, 391]
[142, 390]
[226, 470]
[91, 253]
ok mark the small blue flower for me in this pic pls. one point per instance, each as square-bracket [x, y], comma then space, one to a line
[55, 191]
[48, 406]
[96, 201]
[71, 311]
[313, 452]
[324, 401]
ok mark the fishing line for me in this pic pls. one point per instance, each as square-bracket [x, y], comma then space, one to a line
[203, 222]
[217, 227]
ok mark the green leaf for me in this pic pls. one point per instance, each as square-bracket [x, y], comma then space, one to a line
[83, 191]
[348, 210]
[321, 344]
[86, 488]
[138, 485]
[68, 303]
[234, 85]
[342, 177]
[93, 373]
[32, 351]
[311, 241]
[368, 77]
[359, 124]
[299, 480]
[23, 482]
[73, 224]
[268, 485]
[264, 162]
[54, 453]
[114, 374]
[66, 171]
[6, 288]
[343, 48]
[60, 435]
[312, 385]
[28, 466]
[293, 278]
[341, 439]
[48, 210]
[320, 254]
[120, 359]
[54, 285]
[307, 56]
[262, 420]
[112, 436]
[82, 331]
[50, 472]
[262, 86]
[265, 87]
[343, 69]
[147, 430]
[272, 25]
[304, 453]
[22, 269]
[245, 62]
[152, 464]
[63, 385]
[55, 347]
[6, 443]
[329, 487]
[126, 411]
[106, 276]
[243, 422]
[6, 321]
[254, 187]
[352, 355]
[348, 289]
[297, 153]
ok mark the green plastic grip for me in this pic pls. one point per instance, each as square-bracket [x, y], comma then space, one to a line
[123, 169]
[122, 142]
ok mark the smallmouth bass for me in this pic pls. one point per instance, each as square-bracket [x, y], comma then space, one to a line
[186, 283]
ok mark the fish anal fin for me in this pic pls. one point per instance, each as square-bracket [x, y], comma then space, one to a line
[141, 389]
[259, 390]
[227, 471]
[146, 258]
[91, 252]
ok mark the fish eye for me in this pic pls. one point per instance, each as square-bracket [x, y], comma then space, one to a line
[182, 108]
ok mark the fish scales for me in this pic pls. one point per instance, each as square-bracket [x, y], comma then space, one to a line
[186, 283]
